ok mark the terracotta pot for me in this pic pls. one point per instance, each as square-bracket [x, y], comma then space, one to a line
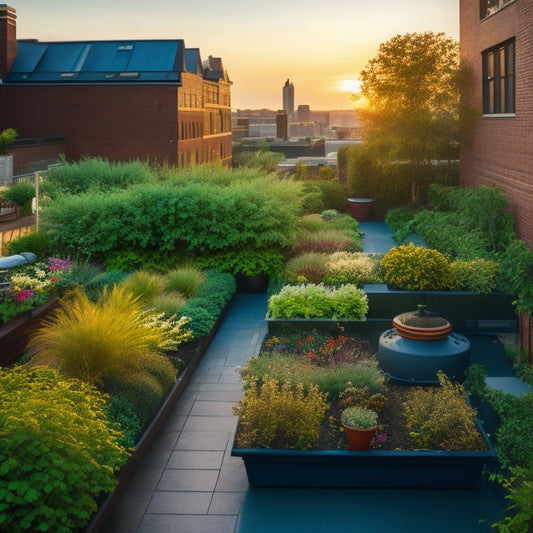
[359, 439]
[360, 208]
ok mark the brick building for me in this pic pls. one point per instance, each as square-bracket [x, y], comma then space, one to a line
[121, 100]
[497, 44]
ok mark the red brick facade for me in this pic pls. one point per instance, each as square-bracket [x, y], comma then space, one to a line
[182, 123]
[499, 151]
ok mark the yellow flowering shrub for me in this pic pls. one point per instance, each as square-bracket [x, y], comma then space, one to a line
[439, 417]
[414, 268]
[280, 416]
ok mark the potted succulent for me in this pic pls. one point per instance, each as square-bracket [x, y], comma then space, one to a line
[360, 425]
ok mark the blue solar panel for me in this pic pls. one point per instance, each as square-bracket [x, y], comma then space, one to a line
[109, 61]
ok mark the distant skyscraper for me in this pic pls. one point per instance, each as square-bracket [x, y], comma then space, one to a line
[288, 99]
[304, 113]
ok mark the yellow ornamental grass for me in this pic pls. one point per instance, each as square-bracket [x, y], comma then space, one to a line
[414, 268]
[92, 340]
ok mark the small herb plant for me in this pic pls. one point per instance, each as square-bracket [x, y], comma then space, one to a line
[358, 417]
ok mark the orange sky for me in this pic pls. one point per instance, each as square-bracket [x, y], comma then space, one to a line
[318, 45]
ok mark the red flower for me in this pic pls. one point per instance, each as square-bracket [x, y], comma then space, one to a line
[22, 295]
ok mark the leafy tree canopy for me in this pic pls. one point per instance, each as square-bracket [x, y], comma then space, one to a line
[412, 98]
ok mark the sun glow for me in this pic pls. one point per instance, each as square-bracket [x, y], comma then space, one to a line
[350, 86]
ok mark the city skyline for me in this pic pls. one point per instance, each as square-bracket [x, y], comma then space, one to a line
[321, 48]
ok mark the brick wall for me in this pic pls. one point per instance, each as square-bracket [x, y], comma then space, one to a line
[36, 155]
[499, 150]
[110, 121]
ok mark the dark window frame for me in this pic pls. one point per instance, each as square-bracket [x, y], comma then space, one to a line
[499, 79]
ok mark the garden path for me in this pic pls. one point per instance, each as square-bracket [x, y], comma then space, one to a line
[189, 483]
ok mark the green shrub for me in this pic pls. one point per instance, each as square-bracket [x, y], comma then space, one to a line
[317, 301]
[7, 138]
[479, 275]
[248, 261]
[184, 280]
[38, 243]
[414, 268]
[306, 268]
[514, 445]
[22, 195]
[94, 174]
[219, 286]
[519, 486]
[58, 451]
[106, 280]
[121, 411]
[141, 389]
[195, 213]
[517, 267]
[330, 194]
[440, 418]
[273, 416]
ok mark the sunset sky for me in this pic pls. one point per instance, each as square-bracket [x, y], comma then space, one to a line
[320, 45]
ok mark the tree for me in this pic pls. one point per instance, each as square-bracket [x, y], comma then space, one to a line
[412, 101]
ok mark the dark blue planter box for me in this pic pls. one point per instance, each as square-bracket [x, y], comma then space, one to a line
[369, 468]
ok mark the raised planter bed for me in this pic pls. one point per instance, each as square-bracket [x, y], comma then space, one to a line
[192, 353]
[466, 311]
[369, 468]
[15, 333]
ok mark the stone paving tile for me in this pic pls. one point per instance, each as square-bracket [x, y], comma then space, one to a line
[208, 423]
[216, 408]
[153, 523]
[188, 480]
[203, 440]
[196, 459]
[174, 502]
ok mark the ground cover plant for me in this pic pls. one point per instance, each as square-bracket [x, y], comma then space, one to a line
[58, 451]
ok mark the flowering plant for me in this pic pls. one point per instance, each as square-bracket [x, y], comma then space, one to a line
[28, 286]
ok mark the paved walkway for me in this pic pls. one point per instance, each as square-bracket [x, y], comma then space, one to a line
[190, 483]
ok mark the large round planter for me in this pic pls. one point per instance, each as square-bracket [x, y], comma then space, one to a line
[359, 439]
[367, 468]
[360, 208]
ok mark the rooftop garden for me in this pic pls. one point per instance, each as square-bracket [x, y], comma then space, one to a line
[143, 261]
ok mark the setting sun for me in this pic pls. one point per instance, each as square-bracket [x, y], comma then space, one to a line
[350, 86]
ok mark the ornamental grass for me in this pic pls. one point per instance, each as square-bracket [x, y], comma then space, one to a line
[91, 340]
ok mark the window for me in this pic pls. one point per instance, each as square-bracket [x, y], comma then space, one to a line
[489, 7]
[499, 79]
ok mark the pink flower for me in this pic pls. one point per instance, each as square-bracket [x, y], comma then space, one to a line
[22, 295]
